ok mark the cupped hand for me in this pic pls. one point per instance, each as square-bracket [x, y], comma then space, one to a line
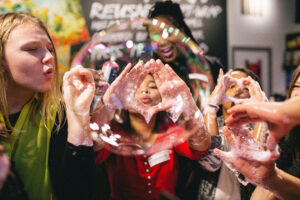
[78, 90]
[271, 113]
[121, 93]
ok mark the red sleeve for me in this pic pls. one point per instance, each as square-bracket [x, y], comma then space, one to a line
[102, 155]
[185, 150]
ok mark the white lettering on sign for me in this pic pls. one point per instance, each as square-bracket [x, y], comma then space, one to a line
[118, 11]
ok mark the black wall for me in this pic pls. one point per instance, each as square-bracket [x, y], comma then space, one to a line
[206, 18]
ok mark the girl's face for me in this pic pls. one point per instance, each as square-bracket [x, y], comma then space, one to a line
[162, 41]
[29, 58]
[234, 90]
[296, 88]
[148, 93]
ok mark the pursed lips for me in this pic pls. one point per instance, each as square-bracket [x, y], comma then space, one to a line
[48, 72]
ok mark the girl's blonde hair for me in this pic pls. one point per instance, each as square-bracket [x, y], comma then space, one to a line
[48, 102]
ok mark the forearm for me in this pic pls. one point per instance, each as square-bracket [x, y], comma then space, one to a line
[78, 130]
[283, 185]
[200, 141]
[261, 193]
[210, 120]
[291, 109]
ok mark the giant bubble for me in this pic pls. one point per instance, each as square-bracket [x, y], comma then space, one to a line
[121, 122]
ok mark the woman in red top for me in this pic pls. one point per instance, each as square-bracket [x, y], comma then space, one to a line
[154, 172]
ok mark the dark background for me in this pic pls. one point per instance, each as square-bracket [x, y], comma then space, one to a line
[206, 18]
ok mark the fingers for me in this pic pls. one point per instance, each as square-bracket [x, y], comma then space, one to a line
[138, 74]
[272, 142]
[228, 135]
[122, 75]
[221, 73]
[225, 156]
[240, 118]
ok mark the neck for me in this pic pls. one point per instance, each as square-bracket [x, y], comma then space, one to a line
[141, 128]
[17, 97]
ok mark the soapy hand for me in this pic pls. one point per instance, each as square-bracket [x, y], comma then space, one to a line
[247, 156]
[121, 93]
[78, 90]
[175, 94]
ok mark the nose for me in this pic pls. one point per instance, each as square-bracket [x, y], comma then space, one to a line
[144, 91]
[48, 57]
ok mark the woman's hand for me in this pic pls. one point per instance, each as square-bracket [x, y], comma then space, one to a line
[78, 90]
[175, 94]
[247, 156]
[280, 117]
[78, 93]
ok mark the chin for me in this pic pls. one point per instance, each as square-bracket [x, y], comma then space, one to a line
[44, 89]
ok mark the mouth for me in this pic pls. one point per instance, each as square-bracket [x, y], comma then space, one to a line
[49, 72]
[167, 52]
[145, 100]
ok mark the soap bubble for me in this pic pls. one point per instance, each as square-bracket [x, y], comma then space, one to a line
[107, 54]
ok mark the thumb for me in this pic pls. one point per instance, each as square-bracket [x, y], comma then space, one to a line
[225, 156]
[271, 143]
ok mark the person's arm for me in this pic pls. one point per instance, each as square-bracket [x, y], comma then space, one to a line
[212, 106]
[283, 185]
[261, 193]
[78, 93]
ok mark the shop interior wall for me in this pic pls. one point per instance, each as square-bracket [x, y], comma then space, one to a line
[266, 31]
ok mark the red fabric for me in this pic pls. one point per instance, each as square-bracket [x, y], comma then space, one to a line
[131, 177]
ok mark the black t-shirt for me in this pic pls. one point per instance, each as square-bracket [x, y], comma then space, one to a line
[71, 167]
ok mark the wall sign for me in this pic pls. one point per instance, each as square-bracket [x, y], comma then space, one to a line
[206, 18]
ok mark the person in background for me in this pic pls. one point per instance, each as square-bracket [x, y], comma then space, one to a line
[281, 118]
[52, 158]
[168, 50]
[215, 179]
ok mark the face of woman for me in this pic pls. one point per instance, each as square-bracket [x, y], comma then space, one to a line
[163, 43]
[234, 90]
[29, 58]
[148, 93]
[296, 89]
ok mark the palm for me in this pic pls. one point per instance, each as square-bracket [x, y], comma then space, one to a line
[78, 90]
[121, 93]
[248, 156]
[175, 94]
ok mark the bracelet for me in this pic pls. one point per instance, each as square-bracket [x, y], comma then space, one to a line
[214, 106]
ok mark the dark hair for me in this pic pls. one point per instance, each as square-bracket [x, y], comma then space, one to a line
[122, 120]
[172, 12]
[290, 143]
[249, 73]
[294, 79]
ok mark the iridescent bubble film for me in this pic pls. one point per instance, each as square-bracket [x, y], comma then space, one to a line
[186, 79]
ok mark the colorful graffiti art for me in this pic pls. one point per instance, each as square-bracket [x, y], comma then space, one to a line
[63, 19]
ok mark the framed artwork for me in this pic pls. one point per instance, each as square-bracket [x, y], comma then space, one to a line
[258, 60]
